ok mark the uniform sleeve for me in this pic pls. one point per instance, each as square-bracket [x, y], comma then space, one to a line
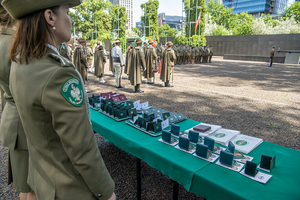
[154, 55]
[121, 57]
[103, 56]
[143, 62]
[72, 125]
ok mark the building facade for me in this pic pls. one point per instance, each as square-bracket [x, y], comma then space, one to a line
[128, 4]
[172, 20]
[255, 7]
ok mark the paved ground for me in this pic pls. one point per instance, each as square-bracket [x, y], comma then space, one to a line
[246, 96]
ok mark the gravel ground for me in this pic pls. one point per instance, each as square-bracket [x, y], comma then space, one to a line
[247, 96]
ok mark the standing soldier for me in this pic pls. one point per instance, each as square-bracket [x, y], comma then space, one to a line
[210, 54]
[188, 54]
[201, 54]
[99, 61]
[150, 59]
[197, 53]
[63, 50]
[181, 54]
[167, 67]
[137, 66]
[111, 60]
[89, 54]
[193, 55]
[204, 54]
[159, 52]
[80, 59]
[272, 56]
[128, 58]
[177, 55]
[70, 51]
[175, 51]
[145, 46]
[119, 62]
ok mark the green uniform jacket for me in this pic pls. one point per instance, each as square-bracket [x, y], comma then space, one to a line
[167, 64]
[150, 57]
[137, 65]
[11, 129]
[64, 160]
[111, 62]
[128, 60]
[63, 51]
[99, 62]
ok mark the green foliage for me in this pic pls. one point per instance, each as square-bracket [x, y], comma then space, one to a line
[151, 9]
[220, 30]
[91, 16]
[193, 15]
[171, 32]
[118, 12]
[137, 31]
[244, 25]
[292, 11]
[221, 15]
[269, 20]
[181, 40]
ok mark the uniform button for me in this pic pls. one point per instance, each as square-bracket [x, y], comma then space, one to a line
[99, 195]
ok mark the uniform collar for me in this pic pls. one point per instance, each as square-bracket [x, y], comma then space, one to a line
[53, 48]
[8, 31]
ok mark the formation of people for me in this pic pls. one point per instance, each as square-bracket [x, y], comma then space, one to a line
[142, 60]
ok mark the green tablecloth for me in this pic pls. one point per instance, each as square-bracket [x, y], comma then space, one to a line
[201, 177]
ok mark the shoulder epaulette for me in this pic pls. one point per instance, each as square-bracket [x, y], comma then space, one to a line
[64, 62]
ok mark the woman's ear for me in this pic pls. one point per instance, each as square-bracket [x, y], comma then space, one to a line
[50, 17]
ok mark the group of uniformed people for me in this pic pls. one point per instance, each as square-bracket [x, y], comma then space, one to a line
[192, 54]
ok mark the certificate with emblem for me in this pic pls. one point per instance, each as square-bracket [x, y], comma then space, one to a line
[223, 136]
[245, 143]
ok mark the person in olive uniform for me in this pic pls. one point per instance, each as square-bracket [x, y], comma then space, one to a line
[80, 58]
[63, 50]
[11, 130]
[65, 162]
[137, 66]
[150, 59]
[89, 56]
[272, 56]
[167, 67]
[128, 59]
[99, 61]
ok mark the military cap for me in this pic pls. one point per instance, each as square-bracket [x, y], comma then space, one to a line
[150, 41]
[89, 44]
[169, 43]
[159, 43]
[210, 45]
[138, 41]
[98, 42]
[70, 45]
[81, 40]
[118, 41]
[19, 8]
[100, 46]
[197, 45]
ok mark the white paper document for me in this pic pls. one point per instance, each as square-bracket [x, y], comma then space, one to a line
[171, 144]
[155, 120]
[245, 143]
[266, 170]
[260, 177]
[245, 159]
[165, 124]
[237, 167]
[223, 136]
[213, 129]
[212, 158]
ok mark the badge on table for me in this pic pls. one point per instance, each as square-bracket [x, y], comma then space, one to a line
[72, 91]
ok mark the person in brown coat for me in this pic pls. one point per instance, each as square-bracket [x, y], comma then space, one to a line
[63, 50]
[137, 66]
[99, 61]
[111, 60]
[128, 59]
[167, 66]
[150, 58]
[80, 59]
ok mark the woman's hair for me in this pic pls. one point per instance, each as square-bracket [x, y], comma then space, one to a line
[31, 36]
[5, 19]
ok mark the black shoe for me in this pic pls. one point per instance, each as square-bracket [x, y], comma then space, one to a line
[120, 86]
[87, 91]
[150, 82]
[139, 91]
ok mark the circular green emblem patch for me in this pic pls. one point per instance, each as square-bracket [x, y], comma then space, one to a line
[220, 135]
[72, 91]
[241, 142]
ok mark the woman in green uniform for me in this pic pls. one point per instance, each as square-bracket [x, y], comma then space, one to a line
[11, 129]
[64, 160]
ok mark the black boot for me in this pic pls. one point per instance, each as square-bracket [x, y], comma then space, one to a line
[167, 84]
[137, 89]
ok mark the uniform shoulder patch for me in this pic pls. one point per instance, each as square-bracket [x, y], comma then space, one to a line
[72, 91]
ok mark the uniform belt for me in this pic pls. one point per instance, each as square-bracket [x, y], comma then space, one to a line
[117, 59]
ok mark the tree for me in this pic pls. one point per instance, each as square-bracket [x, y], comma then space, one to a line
[137, 31]
[119, 19]
[171, 32]
[151, 9]
[181, 40]
[269, 20]
[193, 15]
[244, 24]
[220, 14]
[91, 17]
[292, 11]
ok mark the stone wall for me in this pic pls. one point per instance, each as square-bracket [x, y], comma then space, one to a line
[253, 45]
